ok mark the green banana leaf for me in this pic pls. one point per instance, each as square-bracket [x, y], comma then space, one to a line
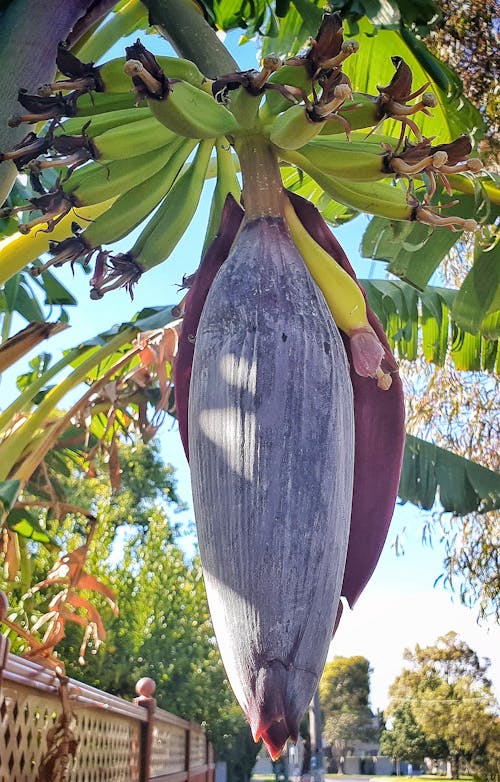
[431, 473]
[26, 524]
[414, 251]
[405, 313]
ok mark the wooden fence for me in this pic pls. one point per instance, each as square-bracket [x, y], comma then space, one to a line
[118, 741]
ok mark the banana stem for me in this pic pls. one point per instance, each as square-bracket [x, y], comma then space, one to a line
[262, 184]
[33, 459]
[191, 36]
[24, 400]
[12, 448]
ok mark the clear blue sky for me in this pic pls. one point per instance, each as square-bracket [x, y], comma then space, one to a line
[400, 607]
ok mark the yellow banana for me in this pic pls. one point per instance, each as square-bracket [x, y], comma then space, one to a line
[175, 213]
[18, 250]
[343, 296]
[375, 198]
[344, 299]
[135, 205]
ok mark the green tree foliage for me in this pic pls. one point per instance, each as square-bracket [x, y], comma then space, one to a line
[344, 695]
[406, 739]
[445, 695]
[163, 628]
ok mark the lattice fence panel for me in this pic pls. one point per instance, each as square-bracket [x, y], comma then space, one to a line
[25, 718]
[108, 750]
[198, 748]
[169, 749]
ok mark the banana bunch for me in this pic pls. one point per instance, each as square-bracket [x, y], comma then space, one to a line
[125, 130]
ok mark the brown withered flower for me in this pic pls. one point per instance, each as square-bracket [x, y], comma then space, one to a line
[114, 271]
[326, 49]
[146, 74]
[394, 99]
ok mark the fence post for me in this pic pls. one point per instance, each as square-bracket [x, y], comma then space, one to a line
[145, 688]
[187, 761]
[4, 642]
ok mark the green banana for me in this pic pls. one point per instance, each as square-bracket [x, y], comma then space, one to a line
[227, 182]
[356, 161]
[134, 206]
[97, 182]
[375, 198]
[293, 128]
[113, 79]
[188, 111]
[124, 19]
[99, 102]
[295, 76]
[174, 214]
[127, 141]
[94, 126]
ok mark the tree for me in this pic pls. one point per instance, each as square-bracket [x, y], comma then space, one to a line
[344, 696]
[406, 740]
[162, 628]
[446, 693]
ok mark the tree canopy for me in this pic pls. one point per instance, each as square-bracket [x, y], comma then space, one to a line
[442, 702]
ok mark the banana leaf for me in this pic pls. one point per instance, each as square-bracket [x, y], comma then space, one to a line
[405, 312]
[431, 473]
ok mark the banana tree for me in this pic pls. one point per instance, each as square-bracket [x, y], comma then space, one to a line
[315, 123]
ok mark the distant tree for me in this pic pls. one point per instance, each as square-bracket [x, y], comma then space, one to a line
[447, 691]
[344, 695]
[405, 739]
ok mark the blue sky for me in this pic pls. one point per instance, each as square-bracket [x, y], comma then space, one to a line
[400, 607]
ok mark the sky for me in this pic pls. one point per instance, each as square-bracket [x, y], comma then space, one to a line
[400, 607]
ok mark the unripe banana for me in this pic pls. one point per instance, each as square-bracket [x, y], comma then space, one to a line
[294, 128]
[99, 102]
[127, 141]
[168, 225]
[344, 298]
[188, 111]
[113, 79]
[358, 161]
[375, 198]
[134, 206]
[97, 182]
[94, 126]
[227, 182]
[276, 102]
